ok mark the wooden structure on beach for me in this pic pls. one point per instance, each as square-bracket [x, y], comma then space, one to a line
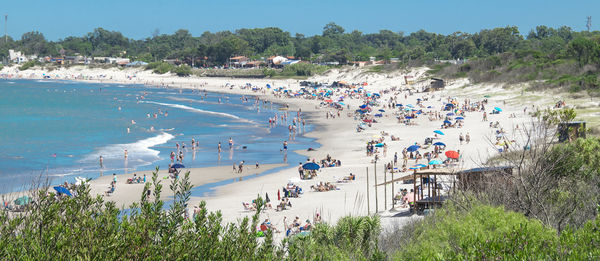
[466, 179]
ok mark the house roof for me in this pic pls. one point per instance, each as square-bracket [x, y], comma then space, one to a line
[237, 58]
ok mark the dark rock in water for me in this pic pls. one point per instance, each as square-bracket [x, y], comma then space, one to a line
[244, 147]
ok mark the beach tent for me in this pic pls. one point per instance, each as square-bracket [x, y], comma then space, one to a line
[435, 162]
[63, 190]
[24, 200]
[177, 166]
[413, 148]
[452, 154]
[439, 132]
[439, 144]
[311, 166]
[497, 108]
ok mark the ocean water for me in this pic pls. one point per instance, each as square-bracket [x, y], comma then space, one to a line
[59, 130]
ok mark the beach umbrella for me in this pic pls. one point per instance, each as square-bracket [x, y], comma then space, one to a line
[177, 166]
[497, 108]
[408, 117]
[24, 200]
[439, 144]
[311, 166]
[379, 145]
[421, 165]
[367, 120]
[328, 100]
[450, 114]
[419, 99]
[414, 167]
[439, 132]
[447, 122]
[409, 105]
[341, 103]
[486, 96]
[378, 115]
[381, 110]
[62, 190]
[452, 154]
[460, 118]
[413, 148]
[435, 162]
[399, 105]
[363, 106]
[429, 107]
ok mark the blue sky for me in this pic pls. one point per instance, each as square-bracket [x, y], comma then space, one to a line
[139, 18]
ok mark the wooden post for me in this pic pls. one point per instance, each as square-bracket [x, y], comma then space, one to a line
[393, 195]
[368, 201]
[415, 191]
[376, 202]
[384, 187]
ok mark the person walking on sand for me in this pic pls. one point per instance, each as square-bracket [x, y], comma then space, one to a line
[468, 137]
[461, 138]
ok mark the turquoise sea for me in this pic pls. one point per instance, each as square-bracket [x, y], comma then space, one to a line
[59, 130]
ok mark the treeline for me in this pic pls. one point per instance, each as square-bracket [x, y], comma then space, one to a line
[560, 56]
[334, 44]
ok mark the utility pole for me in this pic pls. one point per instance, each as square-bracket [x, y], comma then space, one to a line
[384, 187]
[375, 170]
[588, 24]
[5, 31]
[368, 202]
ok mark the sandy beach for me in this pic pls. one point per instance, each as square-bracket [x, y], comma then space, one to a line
[337, 135]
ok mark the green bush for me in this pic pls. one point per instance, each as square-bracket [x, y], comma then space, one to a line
[303, 69]
[28, 65]
[182, 70]
[160, 67]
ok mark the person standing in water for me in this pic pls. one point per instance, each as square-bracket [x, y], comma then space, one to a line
[285, 145]
[101, 162]
[125, 154]
[219, 147]
[230, 143]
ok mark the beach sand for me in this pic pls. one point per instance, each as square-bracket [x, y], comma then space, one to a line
[338, 137]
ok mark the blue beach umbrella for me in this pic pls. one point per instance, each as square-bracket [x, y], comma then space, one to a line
[362, 106]
[62, 190]
[460, 118]
[381, 110]
[421, 165]
[439, 132]
[399, 105]
[311, 166]
[408, 117]
[379, 145]
[409, 105]
[435, 162]
[497, 108]
[447, 122]
[413, 148]
[439, 144]
[378, 115]
[429, 107]
[341, 103]
[177, 166]
[450, 114]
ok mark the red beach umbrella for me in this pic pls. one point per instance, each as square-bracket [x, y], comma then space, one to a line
[452, 154]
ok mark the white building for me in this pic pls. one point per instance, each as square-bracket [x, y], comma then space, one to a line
[16, 56]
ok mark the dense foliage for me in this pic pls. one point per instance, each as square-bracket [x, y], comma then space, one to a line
[481, 232]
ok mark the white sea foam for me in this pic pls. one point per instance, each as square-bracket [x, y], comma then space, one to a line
[188, 108]
[137, 150]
